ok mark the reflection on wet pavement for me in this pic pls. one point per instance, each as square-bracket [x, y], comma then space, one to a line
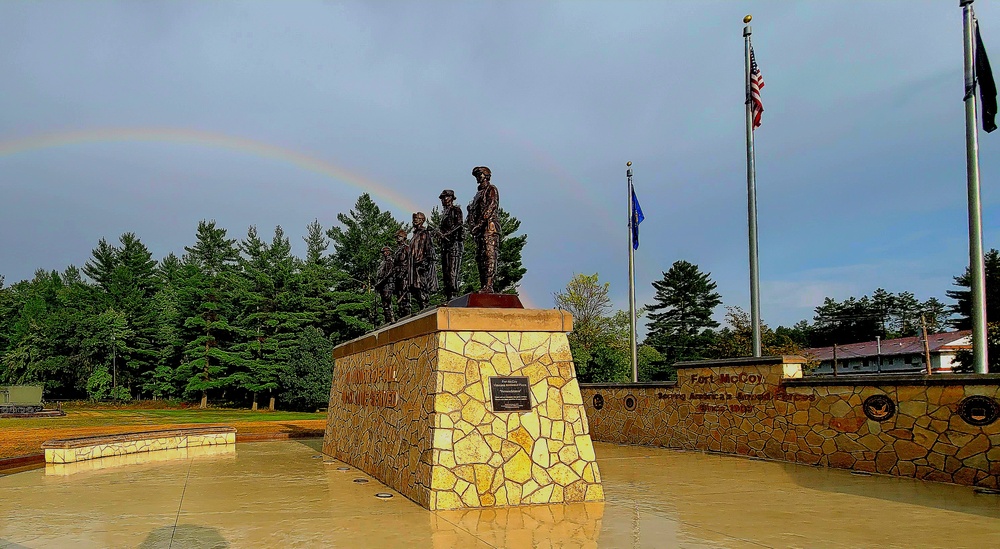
[279, 494]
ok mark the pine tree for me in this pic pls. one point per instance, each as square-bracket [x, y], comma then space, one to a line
[682, 313]
[209, 357]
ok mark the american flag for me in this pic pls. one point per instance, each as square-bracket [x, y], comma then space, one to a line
[756, 84]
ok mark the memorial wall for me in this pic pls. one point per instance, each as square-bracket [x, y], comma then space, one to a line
[941, 428]
[465, 407]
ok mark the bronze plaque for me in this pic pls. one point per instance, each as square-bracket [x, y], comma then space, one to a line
[510, 394]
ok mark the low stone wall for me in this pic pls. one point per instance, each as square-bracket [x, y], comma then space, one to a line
[412, 405]
[214, 451]
[80, 449]
[941, 428]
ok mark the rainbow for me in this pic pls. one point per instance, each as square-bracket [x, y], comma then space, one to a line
[209, 139]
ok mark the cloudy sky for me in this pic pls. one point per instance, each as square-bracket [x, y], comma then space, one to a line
[147, 117]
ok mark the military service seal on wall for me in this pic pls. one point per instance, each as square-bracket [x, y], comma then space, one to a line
[879, 408]
[978, 410]
[598, 401]
[629, 402]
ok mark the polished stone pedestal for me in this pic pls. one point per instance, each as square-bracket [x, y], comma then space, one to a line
[412, 405]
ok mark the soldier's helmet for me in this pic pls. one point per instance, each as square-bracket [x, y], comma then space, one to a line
[481, 170]
[447, 192]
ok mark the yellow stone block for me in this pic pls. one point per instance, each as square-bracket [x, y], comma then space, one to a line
[588, 473]
[558, 428]
[568, 454]
[562, 474]
[486, 338]
[472, 449]
[538, 392]
[445, 403]
[448, 500]
[532, 340]
[595, 492]
[578, 466]
[461, 486]
[542, 495]
[535, 373]
[554, 404]
[530, 422]
[527, 489]
[447, 458]
[496, 460]
[493, 441]
[501, 364]
[518, 468]
[540, 475]
[464, 427]
[442, 479]
[521, 437]
[466, 473]
[571, 393]
[444, 421]
[559, 347]
[545, 424]
[499, 427]
[540, 454]
[475, 391]
[513, 422]
[442, 439]
[484, 478]
[515, 339]
[501, 495]
[451, 341]
[557, 494]
[477, 351]
[585, 447]
[453, 383]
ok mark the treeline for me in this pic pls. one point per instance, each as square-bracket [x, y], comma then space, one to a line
[233, 321]
[680, 324]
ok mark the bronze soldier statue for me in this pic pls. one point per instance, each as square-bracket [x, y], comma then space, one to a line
[452, 234]
[384, 285]
[484, 224]
[423, 274]
[401, 273]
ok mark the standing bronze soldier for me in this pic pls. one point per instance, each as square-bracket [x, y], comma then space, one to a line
[423, 274]
[452, 234]
[484, 223]
[384, 285]
[401, 273]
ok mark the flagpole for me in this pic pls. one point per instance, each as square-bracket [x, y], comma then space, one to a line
[631, 277]
[752, 200]
[977, 280]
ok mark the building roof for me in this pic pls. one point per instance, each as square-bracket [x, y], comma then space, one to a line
[947, 341]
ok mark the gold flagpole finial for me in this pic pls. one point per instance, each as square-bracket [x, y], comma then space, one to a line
[629, 163]
[747, 18]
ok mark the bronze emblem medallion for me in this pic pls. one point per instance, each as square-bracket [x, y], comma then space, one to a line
[978, 410]
[598, 401]
[629, 402]
[879, 408]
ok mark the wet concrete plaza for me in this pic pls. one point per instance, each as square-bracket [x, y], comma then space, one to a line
[284, 494]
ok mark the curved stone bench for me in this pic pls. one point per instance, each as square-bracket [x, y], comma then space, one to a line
[71, 450]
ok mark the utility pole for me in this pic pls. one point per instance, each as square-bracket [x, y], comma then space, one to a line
[878, 344]
[834, 360]
[927, 347]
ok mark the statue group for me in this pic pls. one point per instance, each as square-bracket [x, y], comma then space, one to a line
[409, 273]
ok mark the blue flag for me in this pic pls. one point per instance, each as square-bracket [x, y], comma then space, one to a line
[636, 218]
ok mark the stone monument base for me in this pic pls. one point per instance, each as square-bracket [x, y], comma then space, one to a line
[465, 407]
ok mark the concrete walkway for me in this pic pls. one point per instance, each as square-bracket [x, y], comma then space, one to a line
[283, 494]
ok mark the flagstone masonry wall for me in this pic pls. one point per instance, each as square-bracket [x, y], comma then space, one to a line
[410, 405]
[763, 407]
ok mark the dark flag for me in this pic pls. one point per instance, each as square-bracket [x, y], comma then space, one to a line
[635, 219]
[756, 84]
[987, 87]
